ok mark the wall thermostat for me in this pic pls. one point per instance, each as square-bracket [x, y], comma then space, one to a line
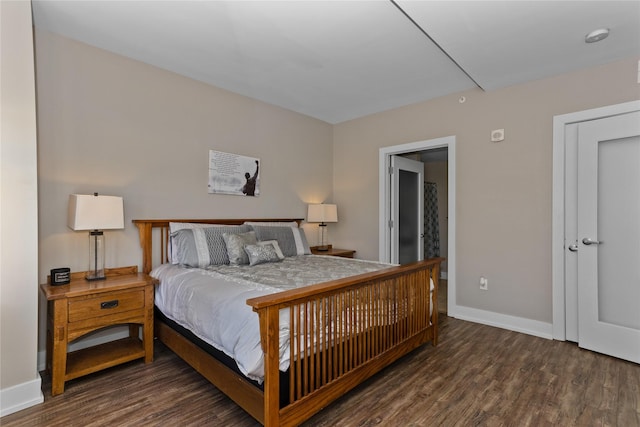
[497, 135]
[60, 276]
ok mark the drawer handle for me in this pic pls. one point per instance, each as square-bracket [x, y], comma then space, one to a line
[109, 304]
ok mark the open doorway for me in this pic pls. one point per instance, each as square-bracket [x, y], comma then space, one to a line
[438, 158]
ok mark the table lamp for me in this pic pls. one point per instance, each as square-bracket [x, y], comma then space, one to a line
[95, 213]
[322, 213]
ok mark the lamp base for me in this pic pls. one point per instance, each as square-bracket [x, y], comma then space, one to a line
[96, 256]
[93, 276]
[324, 248]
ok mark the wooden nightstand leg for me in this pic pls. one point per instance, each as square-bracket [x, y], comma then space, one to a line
[147, 328]
[59, 347]
[48, 366]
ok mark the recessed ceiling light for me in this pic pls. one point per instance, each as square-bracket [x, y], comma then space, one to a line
[596, 35]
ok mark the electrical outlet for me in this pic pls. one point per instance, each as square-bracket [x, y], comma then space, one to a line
[484, 283]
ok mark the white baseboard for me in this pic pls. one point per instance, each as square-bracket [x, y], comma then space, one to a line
[21, 396]
[503, 321]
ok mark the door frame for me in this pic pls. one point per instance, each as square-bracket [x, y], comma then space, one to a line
[560, 123]
[384, 235]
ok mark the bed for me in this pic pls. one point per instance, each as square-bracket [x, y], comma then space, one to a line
[316, 342]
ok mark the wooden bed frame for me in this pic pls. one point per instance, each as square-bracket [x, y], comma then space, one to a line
[342, 332]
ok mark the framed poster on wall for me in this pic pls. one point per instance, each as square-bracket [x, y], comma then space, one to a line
[233, 174]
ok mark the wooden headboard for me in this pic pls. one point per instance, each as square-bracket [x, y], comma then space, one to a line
[146, 226]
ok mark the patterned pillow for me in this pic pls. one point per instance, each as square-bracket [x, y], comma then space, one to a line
[292, 241]
[235, 244]
[260, 254]
[201, 247]
[275, 246]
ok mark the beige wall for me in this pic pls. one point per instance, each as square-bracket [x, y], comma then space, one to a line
[19, 379]
[120, 127]
[503, 204]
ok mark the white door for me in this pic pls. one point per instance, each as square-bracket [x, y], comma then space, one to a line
[608, 236]
[407, 210]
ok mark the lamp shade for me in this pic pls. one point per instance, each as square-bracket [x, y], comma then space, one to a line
[94, 212]
[322, 213]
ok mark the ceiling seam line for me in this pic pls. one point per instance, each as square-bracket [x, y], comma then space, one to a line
[436, 43]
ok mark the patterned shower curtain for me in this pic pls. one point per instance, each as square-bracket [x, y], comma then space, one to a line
[431, 228]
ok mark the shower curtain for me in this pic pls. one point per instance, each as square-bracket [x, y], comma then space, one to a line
[431, 227]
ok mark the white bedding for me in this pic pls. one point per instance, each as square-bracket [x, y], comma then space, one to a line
[211, 303]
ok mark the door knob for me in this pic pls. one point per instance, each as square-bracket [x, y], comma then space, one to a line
[573, 248]
[587, 241]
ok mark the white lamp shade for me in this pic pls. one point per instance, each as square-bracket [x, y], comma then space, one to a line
[94, 212]
[322, 213]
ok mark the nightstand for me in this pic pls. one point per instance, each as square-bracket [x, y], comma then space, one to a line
[81, 307]
[345, 253]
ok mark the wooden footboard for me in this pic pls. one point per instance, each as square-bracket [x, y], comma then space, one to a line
[340, 332]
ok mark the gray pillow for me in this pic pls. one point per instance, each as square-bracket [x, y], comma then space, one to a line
[201, 247]
[292, 241]
[235, 244]
[260, 254]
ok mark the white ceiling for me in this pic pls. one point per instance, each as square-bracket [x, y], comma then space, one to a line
[339, 60]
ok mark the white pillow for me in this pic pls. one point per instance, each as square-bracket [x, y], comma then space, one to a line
[293, 224]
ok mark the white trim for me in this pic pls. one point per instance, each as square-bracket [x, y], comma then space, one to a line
[20, 396]
[385, 153]
[557, 221]
[505, 321]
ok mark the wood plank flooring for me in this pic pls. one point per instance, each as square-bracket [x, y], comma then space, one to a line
[477, 376]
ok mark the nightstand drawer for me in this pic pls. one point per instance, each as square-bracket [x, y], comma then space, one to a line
[105, 304]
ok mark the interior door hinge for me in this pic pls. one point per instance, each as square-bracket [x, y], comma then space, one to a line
[390, 170]
[390, 223]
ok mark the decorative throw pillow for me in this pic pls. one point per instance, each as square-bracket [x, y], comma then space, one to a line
[260, 254]
[292, 241]
[235, 246]
[275, 246]
[201, 247]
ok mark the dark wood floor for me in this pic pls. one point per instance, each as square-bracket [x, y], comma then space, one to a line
[476, 376]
